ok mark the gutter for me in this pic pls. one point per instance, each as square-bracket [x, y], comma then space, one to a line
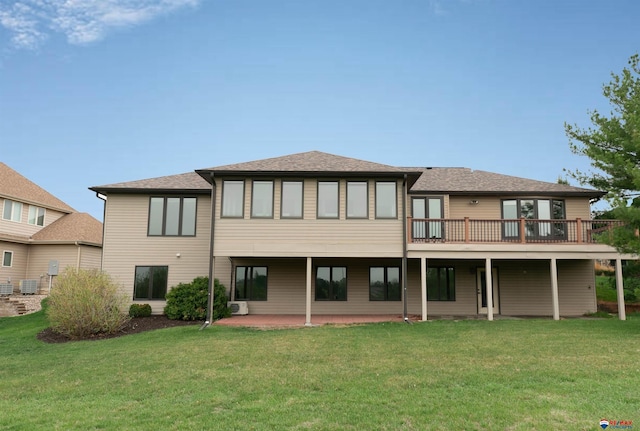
[210, 297]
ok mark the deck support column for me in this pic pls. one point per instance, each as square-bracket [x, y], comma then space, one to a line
[308, 298]
[554, 289]
[423, 286]
[622, 314]
[489, 293]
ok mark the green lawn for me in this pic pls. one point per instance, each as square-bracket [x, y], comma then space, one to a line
[440, 375]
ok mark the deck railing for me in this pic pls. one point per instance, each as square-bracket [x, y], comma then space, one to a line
[522, 230]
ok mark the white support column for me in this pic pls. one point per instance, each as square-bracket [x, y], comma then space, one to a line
[308, 302]
[622, 314]
[489, 283]
[423, 286]
[554, 289]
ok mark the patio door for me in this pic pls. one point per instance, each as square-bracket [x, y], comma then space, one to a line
[422, 209]
[481, 285]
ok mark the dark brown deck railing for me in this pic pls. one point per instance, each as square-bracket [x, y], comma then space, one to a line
[522, 230]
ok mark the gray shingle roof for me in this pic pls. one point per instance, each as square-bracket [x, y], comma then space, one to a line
[16, 187]
[79, 227]
[308, 162]
[187, 182]
[465, 180]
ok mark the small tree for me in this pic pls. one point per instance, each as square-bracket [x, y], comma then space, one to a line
[84, 303]
[188, 301]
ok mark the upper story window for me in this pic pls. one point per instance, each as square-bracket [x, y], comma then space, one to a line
[233, 198]
[262, 199]
[328, 199]
[291, 200]
[357, 199]
[172, 216]
[534, 209]
[427, 208]
[36, 215]
[386, 200]
[12, 210]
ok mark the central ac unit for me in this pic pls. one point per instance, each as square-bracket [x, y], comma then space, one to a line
[238, 307]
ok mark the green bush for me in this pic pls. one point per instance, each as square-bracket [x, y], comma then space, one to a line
[85, 303]
[188, 301]
[140, 310]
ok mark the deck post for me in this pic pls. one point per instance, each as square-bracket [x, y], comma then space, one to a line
[554, 289]
[467, 235]
[523, 235]
[578, 230]
[423, 286]
[409, 230]
[489, 283]
[622, 313]
[308, 285]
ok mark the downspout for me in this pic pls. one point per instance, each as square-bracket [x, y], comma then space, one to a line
[79, 258]
[103, 198]
[404, 248]
[210, 297]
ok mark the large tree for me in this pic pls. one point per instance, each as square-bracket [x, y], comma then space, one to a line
[613, 145]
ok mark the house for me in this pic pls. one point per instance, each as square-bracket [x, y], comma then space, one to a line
[40, 235]
[314, 233]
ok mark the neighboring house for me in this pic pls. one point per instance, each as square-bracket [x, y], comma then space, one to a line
[314, 233]
[38, 230]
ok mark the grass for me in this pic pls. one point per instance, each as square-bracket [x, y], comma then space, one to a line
[441, 375]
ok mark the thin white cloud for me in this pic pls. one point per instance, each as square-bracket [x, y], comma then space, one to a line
[30, 22]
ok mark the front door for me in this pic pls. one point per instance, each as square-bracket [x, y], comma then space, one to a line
[481, 284]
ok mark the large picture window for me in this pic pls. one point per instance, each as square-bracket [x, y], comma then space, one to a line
[357, 199]
[386, 200]
[441, 284]
[150, 282]
[12, 210]
[172, 216]
[331, 283]
[384, 283]
[251, 283]
[233, 199]
[534, 209]
[262, 199]
[291, 204]
[328, 199]
[36, 216]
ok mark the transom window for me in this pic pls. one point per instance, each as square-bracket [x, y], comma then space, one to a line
[262, 199]
[534, 209]
[384, 283]
[12, 210]
[251, 283]
[441, 284]
[172, 216]
[328, 199]
[291, 200]
[7, 258]
[150, 282]
[357, 199]
[331, 283]
[386, 201]
[233, 198]
[36, 216]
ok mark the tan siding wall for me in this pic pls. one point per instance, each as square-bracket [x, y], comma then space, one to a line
[126, 244]
[489, 207]
[23, 227]
[41, 254]
[90, 257]
[18, 269]
[576, 287]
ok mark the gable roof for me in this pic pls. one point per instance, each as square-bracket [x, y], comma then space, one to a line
[311, 162]
[189, 182]
[75, 227]
[468, 181]
[16, 187]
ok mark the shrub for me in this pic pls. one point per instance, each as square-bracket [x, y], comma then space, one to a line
[188, 301]
[85, 303]
[140, 310]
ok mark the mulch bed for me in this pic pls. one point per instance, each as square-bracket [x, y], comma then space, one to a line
[612, 307]
[135, 326]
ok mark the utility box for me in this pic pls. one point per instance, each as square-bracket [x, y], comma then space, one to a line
[53, 267]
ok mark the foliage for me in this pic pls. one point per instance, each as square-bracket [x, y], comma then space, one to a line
[613, 145]
[140, 310]
[188, 301]
[85, 302]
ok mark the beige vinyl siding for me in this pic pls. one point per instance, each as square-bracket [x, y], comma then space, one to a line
[41, 254]
[23, 228]
[126, 244]
[490, 207]
[90, 257]
[18, 268]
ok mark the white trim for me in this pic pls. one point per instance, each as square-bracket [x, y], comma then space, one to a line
[308, 299]
[488, 276]
[423, 287]
[622, 313]
[554, 289]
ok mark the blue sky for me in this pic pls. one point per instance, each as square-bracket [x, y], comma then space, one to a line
[96, 92]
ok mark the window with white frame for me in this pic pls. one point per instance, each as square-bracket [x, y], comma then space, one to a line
[36, 216]
[12, 210]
